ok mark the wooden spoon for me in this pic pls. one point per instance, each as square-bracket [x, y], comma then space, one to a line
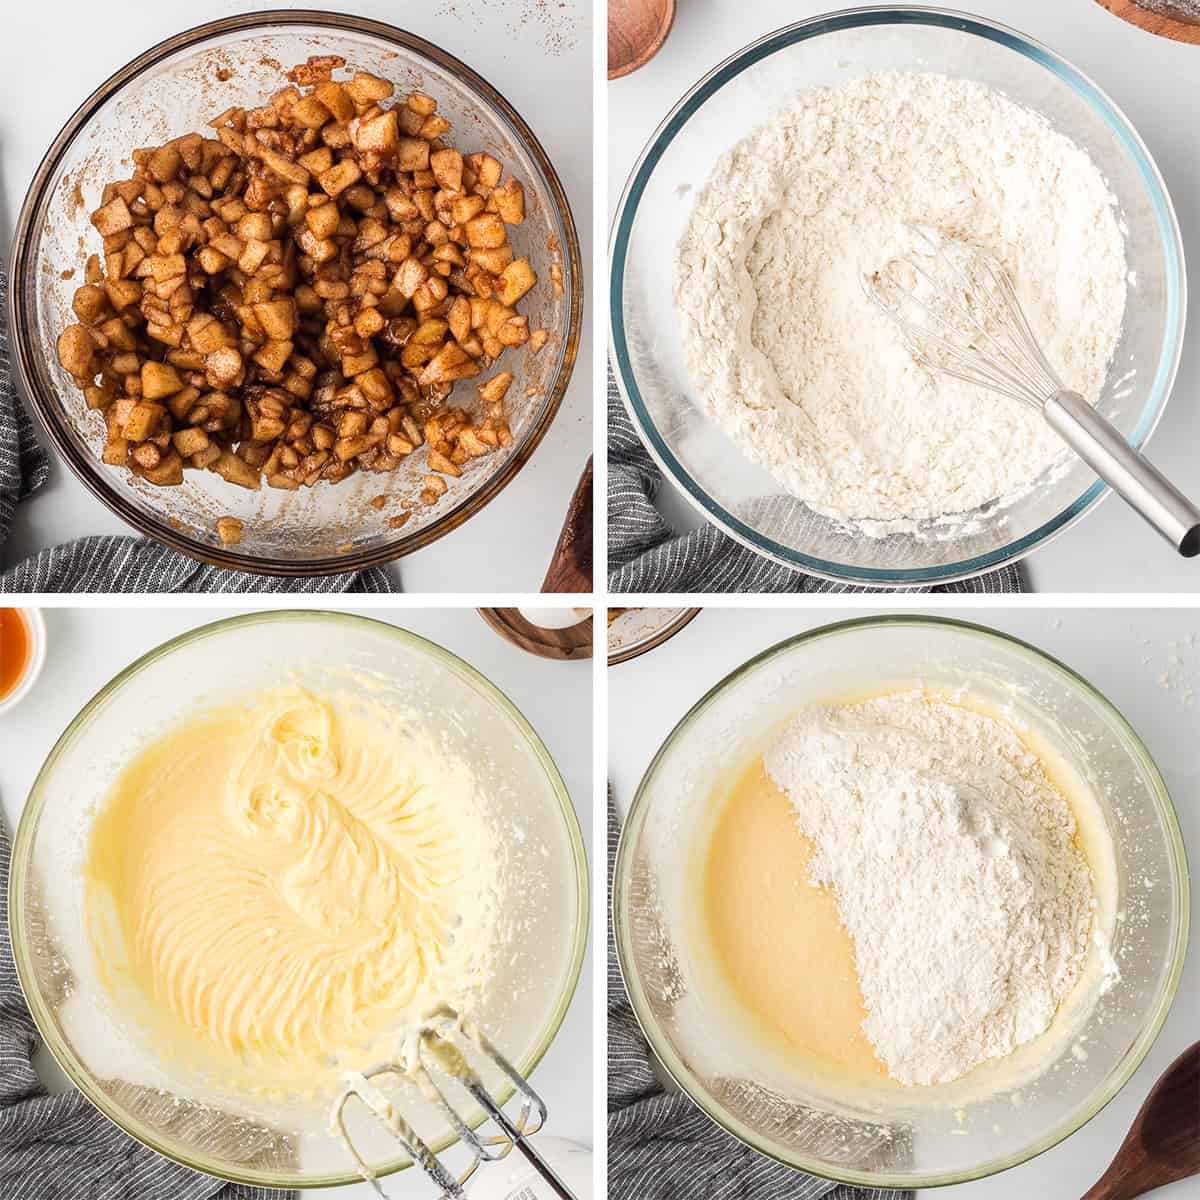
[1163, 1143]
[636, 32]
[571, 566]
[1165, 22]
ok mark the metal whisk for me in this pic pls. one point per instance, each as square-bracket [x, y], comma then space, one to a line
[437, 1051]
[959, 313]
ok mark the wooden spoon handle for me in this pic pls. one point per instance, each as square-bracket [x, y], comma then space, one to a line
[571, 567]
[1163, 1143]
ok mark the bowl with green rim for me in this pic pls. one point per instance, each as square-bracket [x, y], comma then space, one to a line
[280, 1139]
[1003, 1112]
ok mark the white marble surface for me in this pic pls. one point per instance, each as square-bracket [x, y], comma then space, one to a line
[87, 646]
[1125, 653]
[506, 547]
[1152, 79]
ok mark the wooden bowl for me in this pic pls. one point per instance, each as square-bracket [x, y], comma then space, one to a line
[567, 644]
[1165, 19]
[636, 32]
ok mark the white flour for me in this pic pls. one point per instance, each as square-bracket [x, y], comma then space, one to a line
[951, 857]
[815, 384]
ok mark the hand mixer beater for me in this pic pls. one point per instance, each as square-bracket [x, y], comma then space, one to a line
[958, 311]
[438, 1048]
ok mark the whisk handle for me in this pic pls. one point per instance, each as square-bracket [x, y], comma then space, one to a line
[1128, 473]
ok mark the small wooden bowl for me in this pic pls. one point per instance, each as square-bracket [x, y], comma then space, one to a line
[1164, 24]
[573, 642]
[636, 32]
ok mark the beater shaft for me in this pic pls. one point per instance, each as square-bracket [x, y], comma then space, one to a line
[434, 1050]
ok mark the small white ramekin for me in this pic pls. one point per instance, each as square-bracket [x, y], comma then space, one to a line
[36, 625]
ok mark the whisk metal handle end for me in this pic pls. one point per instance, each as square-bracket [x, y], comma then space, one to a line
[1125, 470]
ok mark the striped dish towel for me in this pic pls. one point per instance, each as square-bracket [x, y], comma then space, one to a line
[114, 564]
[660, 1145]
[646, 555]
[61, 1147]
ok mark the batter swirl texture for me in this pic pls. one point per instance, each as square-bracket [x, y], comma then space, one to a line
[291, 878]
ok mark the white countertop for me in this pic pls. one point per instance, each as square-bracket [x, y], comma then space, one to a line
[86, 647]
[1123, 653]
[513, 538]
[1152, 79]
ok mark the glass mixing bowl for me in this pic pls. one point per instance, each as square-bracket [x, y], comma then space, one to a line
[542, 900]
[905, 1138]
[742, 93]
[173, 89]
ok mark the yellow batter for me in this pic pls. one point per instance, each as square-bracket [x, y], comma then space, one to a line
[773, 933]
[288, 879]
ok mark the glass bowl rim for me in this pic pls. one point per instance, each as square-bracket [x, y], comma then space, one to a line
[708, 85]
[23, 843]
[23, 268]
[684, 1078]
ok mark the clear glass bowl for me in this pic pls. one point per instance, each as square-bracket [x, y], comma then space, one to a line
[905, 1138]
[173, 89]
[284, 1142]
[741, 93]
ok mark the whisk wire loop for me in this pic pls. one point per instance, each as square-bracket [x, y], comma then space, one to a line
[979, 333]
[960, 316]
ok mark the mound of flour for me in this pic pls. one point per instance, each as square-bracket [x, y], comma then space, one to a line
[952, 858]
[814, 383]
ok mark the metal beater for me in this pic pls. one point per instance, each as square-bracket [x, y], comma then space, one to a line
[436, 1049]
[959, 313]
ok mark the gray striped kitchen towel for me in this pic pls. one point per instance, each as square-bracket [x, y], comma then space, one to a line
[114, 564]
[646, 555]
[660, 1145]
[23, 463]
[61, 1147]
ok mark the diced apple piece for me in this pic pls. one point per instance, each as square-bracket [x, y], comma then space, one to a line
[223, 368]
[378, 135]
[509, 199]
[274, 355]
[365, 89]
[339, 177]
[158, 380]
[487, 170]
[412, 154]
[229, 530]
[410, 275]
[123, 292]
[486, 231]
[447, 168]
[277, 317]
[167, 473]
[310, 112]
[515, 280]
[496, 388]
[323, 220]
[335, 98]
[112, 218]
[76, 350]
[450, 363]
[143, 421]
[237, 470]
[190, 441]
